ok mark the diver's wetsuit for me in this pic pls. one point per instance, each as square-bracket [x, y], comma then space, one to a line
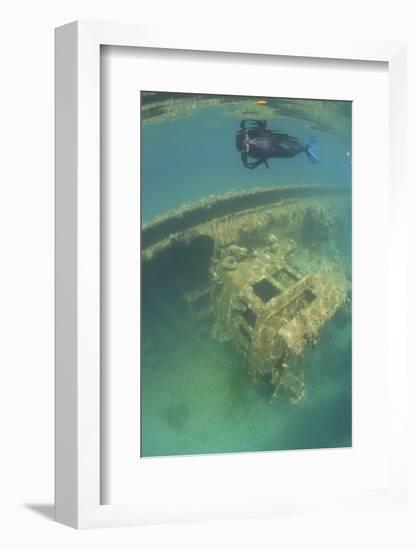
[261, 144]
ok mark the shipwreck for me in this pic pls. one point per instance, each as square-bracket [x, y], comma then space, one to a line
[253, 268]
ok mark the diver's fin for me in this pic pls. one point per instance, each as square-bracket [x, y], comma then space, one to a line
[266, 163]
[311, 156]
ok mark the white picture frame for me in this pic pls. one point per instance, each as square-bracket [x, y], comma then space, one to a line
[78, 322]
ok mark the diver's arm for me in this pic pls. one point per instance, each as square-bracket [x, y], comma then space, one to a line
[252, 165]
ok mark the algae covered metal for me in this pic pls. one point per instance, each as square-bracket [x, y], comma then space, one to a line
[264, 285]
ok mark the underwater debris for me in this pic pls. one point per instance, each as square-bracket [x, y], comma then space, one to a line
[229, 263]
[248, 292]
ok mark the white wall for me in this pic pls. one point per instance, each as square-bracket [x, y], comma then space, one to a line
[26, 274]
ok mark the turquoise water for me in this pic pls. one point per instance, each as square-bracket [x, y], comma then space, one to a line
[196, 396]
[188, 158]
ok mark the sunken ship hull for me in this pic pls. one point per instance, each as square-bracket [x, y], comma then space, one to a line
[238, 265]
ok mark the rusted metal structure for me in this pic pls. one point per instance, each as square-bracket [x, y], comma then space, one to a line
[232, 257]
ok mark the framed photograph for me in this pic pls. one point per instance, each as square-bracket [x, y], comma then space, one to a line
[230, 330]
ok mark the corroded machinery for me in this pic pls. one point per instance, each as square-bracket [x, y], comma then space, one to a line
[245, 270]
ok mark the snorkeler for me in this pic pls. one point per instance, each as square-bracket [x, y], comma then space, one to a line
[255, 141]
